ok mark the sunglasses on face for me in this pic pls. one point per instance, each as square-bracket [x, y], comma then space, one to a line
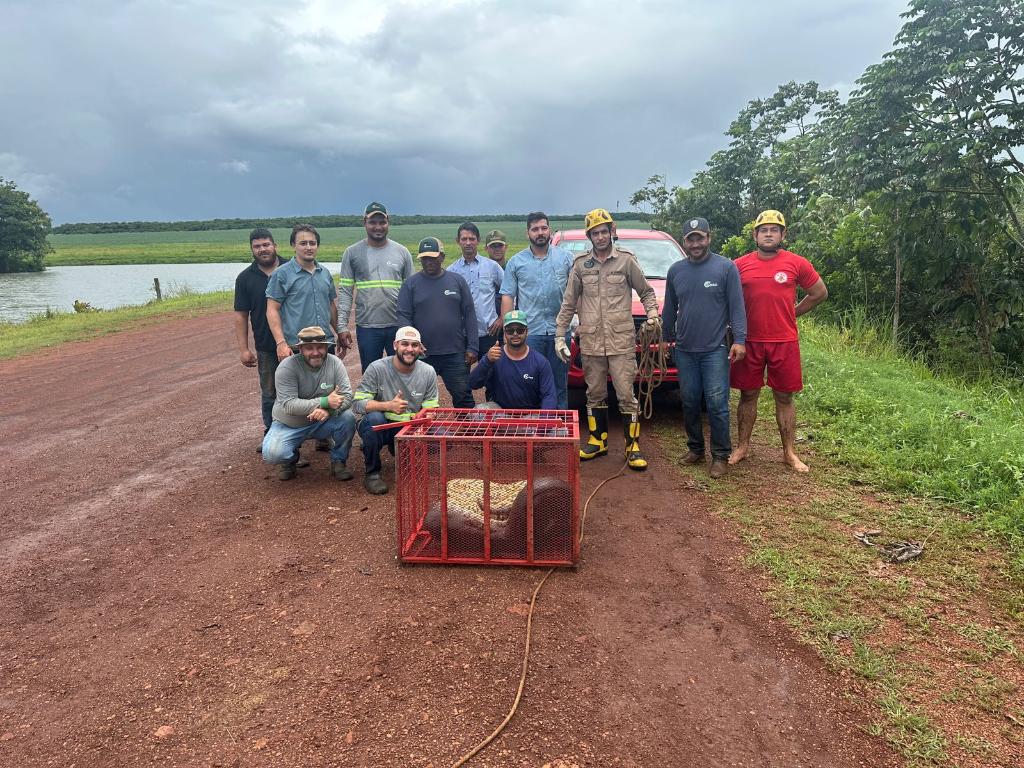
[513, 331]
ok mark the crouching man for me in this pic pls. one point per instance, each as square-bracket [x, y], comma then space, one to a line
[393, 389]
[515, 375]
[313, 401]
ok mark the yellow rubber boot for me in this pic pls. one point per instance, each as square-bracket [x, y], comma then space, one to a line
[631, 431]
[597, 443]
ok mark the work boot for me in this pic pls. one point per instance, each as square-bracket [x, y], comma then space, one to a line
[692, 457]
[375, 485]
[597, 443]
[302, 462]
[631, 431]
[286, 471]
[718, 469]
[324, 445]
[340, 471]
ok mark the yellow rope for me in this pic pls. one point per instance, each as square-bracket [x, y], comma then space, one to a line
[529, 633]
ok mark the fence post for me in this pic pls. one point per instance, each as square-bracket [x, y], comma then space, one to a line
[156, 287]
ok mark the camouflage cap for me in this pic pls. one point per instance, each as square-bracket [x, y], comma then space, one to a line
[495, 236]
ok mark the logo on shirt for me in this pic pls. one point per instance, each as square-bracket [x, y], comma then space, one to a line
[709, 284]
[392, 265]
[527, 377]
[323, 385]
[780, 277]
[448, 292]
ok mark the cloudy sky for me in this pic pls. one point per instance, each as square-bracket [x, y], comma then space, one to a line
[191, 109]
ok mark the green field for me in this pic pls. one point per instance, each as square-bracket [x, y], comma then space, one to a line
[226, 245]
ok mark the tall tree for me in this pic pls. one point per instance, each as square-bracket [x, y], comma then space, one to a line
[23, 230]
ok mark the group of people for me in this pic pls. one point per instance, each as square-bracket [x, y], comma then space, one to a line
[469, 324]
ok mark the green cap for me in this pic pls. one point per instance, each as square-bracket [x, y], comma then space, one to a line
[430, 246]
[495, 236]
[516, 316]
[375, 209]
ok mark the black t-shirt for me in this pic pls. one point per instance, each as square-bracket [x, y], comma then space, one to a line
[251, 297]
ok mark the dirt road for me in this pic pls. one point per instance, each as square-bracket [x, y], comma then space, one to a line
[166, 601]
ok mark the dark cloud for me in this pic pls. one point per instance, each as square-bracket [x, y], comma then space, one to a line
[171, 110]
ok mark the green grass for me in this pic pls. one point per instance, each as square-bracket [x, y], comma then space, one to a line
[60, 327]
[902, 428]
[228, 245]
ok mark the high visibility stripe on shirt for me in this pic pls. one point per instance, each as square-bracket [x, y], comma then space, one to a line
[346, 281]
[430, 403]
[377, 283]
[397, 416]
[362, 396]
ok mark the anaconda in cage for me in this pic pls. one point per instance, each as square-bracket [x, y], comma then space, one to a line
[489, 486]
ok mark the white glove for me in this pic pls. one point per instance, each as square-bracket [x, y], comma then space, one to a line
[562, 350]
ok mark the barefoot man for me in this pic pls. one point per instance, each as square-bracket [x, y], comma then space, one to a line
[770, 276]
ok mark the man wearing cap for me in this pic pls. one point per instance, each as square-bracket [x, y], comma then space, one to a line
[439, 304]
[300, 293]
[703, 298]
[313, 399]
[600, 290]
[534, 282]
[374, 268]
[251, 309]
[393, 389]
[484, 279]
[496, 244]
[514, 375]
[770, 276]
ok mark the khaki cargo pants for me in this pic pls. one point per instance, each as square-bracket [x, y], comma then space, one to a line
[623, 371]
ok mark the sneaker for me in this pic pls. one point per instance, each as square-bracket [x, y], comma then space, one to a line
[286, 471]
[375, 485]
[340, 471]
[693, 458]
[718, 469]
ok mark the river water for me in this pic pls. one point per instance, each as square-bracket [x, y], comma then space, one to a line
[30, 293]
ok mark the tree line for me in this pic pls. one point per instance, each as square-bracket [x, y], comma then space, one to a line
[908, 197]
[337, 220]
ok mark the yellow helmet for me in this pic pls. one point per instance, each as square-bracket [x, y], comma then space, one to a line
[770, 217]
[596, 218]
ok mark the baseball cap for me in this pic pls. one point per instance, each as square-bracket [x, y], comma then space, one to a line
[407, 333]
[430, 246]
[515, 317]
[314, 334]
[696, 225]
[374, 209]
[495, 236]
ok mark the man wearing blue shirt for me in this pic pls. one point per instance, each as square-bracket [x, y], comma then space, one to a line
[300, 293]
[535, 279]
[484, 279]
[703, 297]
[438, 304]
[516, 376]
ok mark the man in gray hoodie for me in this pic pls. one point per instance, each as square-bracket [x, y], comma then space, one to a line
[314, 399]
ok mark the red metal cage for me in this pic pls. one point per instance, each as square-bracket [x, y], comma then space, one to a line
[489, 487]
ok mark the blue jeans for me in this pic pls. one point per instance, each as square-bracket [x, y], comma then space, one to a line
[281, 443]
[266, 364]
[373, 442]
[453, 371]
[375, 343]
[545, 345]
[704, 377]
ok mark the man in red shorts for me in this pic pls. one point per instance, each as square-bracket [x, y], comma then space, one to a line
[770, 276]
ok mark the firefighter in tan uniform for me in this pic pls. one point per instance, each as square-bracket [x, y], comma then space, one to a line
[600, 290]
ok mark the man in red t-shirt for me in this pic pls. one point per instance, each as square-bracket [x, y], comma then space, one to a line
[770, 276]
